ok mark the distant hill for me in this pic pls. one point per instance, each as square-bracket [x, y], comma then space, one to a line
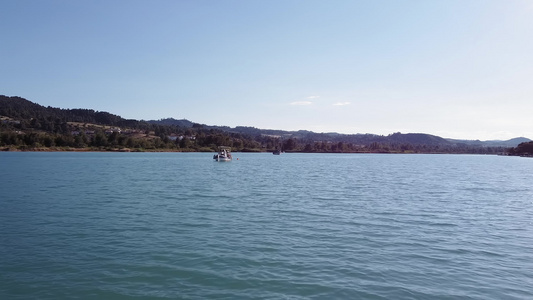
[418, 139]
[491, 143]
[27, 124]
[523, 149]
[407, 138]
[171, 121]
[20, 108]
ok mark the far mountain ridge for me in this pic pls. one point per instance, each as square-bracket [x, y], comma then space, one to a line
[24, 124]
[410, 138]
[493, 143]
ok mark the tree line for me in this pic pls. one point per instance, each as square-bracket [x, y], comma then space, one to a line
[523, 149]
[28, 126]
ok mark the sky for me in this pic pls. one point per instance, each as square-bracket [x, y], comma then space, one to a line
[456, 68]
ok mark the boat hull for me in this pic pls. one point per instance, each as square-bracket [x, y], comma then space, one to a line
[222, 159]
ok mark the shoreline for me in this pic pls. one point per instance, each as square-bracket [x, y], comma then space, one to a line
[125, 150]
[128, 150]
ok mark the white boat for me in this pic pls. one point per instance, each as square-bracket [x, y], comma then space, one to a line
[224, 154]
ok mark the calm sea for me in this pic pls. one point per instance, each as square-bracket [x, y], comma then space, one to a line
[294, 226]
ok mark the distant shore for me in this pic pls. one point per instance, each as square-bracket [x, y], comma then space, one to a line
[57, 149]
[203, 150]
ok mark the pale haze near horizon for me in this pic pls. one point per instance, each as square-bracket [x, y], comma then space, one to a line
[456, 69]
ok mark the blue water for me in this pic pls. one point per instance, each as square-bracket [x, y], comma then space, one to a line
[294, 226]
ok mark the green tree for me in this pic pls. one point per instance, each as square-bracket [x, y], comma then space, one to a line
[99, 139]
[289, 144]
[112, 139]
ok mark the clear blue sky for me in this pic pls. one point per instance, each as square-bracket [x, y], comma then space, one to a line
[453, 68]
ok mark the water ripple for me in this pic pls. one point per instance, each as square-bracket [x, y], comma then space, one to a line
[166, 226]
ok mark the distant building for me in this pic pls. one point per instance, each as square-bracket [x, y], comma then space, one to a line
[114, 129]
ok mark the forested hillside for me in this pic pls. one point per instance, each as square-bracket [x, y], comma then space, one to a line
[25, 125]
[523, 149]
